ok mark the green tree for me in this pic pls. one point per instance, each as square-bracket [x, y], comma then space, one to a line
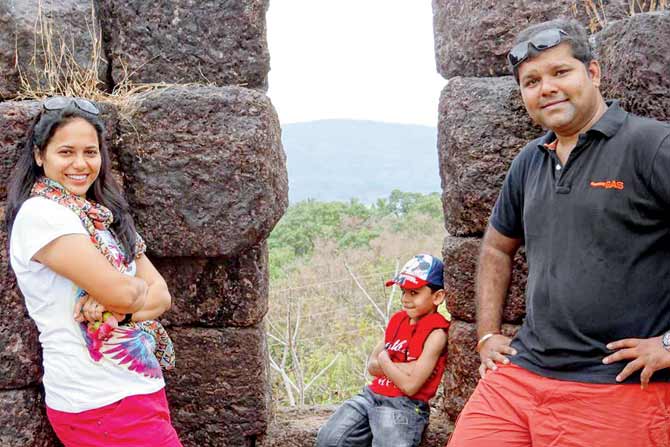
[349, 225]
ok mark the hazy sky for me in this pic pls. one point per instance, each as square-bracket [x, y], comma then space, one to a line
[357, 59]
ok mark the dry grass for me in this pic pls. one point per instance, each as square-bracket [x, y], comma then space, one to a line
[53, 69]
[598, 19]
[638, 6]
[596, 12]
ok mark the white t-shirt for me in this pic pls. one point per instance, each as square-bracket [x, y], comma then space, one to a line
[73, 381]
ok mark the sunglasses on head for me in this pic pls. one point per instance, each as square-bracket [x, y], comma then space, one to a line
[541, 41]
[61, 102]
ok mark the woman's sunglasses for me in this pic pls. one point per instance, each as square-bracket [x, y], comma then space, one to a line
[61, 102]
[541, 41]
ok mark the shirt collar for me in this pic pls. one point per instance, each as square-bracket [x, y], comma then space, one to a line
[607, 125]
[547, 141]
[611, 121]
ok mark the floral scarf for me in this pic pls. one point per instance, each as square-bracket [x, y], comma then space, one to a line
[143, 347]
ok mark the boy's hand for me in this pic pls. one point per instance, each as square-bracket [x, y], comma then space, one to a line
[406, 367]
[373, 361]
[493, 351]
[383, 357]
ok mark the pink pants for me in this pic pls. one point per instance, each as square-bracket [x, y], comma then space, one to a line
[135, 421]
[513, 407]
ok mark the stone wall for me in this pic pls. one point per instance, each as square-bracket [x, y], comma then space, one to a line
[176, 41]
[472, 37]
[483, 125]
[205, 174]
[29, 29]
[298, 427]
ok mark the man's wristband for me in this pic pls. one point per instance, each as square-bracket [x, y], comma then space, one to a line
[127, 319]
[482, 340]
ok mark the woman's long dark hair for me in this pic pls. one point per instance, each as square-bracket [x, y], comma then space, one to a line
[104, 189]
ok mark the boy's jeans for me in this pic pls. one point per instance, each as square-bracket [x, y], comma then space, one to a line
[370, 419]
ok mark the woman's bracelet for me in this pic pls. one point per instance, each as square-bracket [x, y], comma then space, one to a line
[482, 340]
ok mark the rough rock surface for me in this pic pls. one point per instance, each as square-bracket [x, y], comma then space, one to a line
[461, 375]
[482, 126]
[298, 427]
[217, 291]
[20, 353]
[23, 422]
[219, 391]
[635, 59]
[460, 265]
[110, 116]
[162, 41]
[72, 25]
[16, 118]
[205, 170]
[472, 37]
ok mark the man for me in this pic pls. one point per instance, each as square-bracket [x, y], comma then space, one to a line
[590, 200]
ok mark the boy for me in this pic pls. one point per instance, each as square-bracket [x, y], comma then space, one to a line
[407, 365]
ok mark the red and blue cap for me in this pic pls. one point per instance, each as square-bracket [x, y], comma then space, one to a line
[419, 271]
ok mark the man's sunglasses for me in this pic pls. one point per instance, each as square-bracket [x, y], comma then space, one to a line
[541, 41]
[61, 102]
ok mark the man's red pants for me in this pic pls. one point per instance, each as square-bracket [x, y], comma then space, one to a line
[512, 407]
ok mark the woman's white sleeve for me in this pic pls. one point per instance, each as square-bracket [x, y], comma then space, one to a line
[38, 222]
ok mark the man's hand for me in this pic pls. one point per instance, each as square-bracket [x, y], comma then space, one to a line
[494, 350]
[645, 353]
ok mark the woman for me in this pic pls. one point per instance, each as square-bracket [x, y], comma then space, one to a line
[76, 255]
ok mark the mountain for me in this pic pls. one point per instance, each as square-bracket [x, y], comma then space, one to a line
[332, 160]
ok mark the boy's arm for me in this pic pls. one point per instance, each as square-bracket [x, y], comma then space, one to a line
[411, 382]
[373, 364]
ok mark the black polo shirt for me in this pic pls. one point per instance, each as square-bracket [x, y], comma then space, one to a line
[597, 238]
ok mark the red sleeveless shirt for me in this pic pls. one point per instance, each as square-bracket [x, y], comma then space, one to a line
[404, 343]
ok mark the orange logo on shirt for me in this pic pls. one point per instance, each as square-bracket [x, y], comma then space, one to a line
[608, 184]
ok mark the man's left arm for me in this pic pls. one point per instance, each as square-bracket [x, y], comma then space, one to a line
[659, 181]
[647, 354]
[410, 382]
